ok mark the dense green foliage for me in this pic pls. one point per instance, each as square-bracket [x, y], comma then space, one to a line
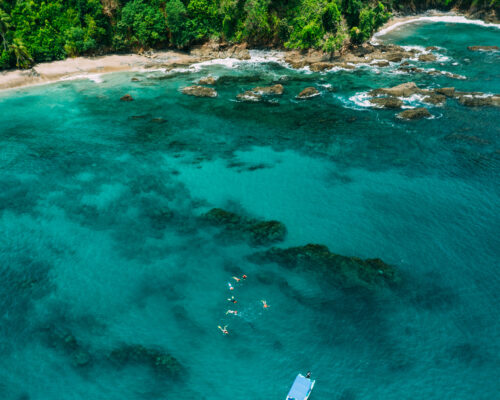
[42, 30]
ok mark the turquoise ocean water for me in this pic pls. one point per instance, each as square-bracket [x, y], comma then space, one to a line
[101, 245]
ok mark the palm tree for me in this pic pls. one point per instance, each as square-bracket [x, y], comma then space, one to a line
[23, 57]
[4, 27]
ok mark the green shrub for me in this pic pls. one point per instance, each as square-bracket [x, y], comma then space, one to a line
[141, 25]
[177, 23]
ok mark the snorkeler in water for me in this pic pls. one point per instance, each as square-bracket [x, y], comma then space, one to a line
[234, 312]
[264, 304]
[230, 286]
[232, 300]
[236, 279]
[223, 330]
[244, 277]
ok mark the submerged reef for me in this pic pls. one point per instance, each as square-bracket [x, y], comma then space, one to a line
[344, 271]
[255, 231]
[159, 360]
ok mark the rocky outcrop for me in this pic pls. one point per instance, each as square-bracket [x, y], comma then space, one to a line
[479, 100]
[446, 91]
[277, 89]
[199, 91]
[346, 272]
[483, 48]
[127, 97]
[415, 113]
[411, 69]
[436, 99]
[387, 102]
[249, 96]
[253, 230]
[427, 57]
[404, 90]
[308, 93]
[364, 54]
[213, 50]
[259, 92]
[207, 80]
[381, 63]
[158, 360]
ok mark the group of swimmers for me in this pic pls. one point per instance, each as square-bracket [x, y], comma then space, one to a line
[234, 301]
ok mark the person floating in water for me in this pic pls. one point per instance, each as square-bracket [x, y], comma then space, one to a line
[234, 312]
[308, 375]
[244, 277]
[232, 300]
[223, 330]
[264, 304]
[230, 286]
[236, 279]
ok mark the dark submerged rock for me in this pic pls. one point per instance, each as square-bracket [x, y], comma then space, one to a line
[344, 271]
[159, 360]
[415, 113]
[127, 97]
[255, 231]
[199, 91]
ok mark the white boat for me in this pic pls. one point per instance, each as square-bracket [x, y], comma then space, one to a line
[301, 388]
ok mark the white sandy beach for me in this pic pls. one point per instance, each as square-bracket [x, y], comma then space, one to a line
[65, 69]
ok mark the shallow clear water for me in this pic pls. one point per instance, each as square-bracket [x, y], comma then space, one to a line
[83, 251]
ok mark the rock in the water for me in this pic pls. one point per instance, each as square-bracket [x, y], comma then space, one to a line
[479, 100]
[127, 97]
[320, 66]
[137, 354]
[483, 48]
[249, 96]
[207, 80]
[134, 79]
[415, 113]
[199, 91]
[436, 99]
[387, 102]
[211, 50]
[447, 91]
[307, 93]
[427, 57]
[277, 89]
[345, 271]
[81, 358]
[255, 231]
[431, 48]
[381, 63]
[404, 90]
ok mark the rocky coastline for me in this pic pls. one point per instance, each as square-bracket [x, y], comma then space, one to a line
[348, 58]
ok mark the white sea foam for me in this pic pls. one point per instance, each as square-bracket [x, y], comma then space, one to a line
[97, 78]
[361, 99]
[455, 19]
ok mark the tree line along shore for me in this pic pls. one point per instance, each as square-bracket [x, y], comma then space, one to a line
[34, 31]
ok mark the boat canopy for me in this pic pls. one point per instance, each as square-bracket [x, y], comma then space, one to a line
[301, 388]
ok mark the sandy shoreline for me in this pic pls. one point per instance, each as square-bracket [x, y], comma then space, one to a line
[82, 66]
